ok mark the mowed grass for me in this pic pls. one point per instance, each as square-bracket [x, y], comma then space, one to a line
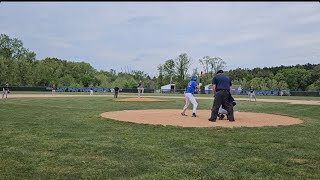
[64, 138]
[121, 94]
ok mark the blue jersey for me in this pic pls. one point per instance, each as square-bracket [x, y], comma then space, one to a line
[191, 87]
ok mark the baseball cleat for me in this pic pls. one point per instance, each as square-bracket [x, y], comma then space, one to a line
[194, 115]
[183, 114]
[212, 120]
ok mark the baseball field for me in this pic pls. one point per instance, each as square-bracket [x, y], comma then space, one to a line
[72, 136]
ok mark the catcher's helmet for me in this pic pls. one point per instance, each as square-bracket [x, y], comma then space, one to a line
[194, 78]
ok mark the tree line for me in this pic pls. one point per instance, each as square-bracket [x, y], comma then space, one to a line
[19, 67]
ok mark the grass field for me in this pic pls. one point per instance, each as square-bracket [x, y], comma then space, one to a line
[168, 94]
[64, 138]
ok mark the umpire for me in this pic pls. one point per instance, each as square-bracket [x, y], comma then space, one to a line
[221, 85]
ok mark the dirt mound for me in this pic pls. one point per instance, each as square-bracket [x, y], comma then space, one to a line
[173, 117]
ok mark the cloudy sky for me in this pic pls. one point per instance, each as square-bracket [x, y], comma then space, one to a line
[142, 35]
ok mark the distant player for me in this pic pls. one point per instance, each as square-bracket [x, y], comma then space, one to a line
[53, 90]
[223, 112]
[5, 90]
[191, 87]
[91, 91]
[140, 88]
[252, 94]
[116, 91]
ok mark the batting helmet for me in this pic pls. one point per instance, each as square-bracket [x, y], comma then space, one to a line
[194, 78]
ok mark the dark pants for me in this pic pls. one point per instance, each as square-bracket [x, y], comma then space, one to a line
[222, 97]
[115, 94]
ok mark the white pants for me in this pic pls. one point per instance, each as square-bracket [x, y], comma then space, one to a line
[5, 93]
[140, 91]
[222, 111]
[91, 92]
[252, 95]
[190, 98]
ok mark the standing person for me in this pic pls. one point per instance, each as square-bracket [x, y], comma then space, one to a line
[140, 88]
[91, 91]
[221, 87]
[191, 87]
[53, 90]
[116, 91]
[5, 90]
[252, 94]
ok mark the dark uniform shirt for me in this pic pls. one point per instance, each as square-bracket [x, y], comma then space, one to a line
[251, 90]
[116, 89]
[222, 82]
[6, 88]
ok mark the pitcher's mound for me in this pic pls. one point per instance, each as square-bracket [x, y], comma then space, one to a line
[174, 118]
[141, 99]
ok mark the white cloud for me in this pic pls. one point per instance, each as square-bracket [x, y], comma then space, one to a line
[143, 35]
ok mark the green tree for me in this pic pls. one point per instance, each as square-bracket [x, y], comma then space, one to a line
[13, 48]
[297, 78]
[169, 68]
[238, 74]
[216, 64]
[245, 84]
[160, 76]
[257, 83]
[211, 65]
[272, 84]
[66, 81]
[282, 85]
[138, 75]
[24, 72]
[182, 64]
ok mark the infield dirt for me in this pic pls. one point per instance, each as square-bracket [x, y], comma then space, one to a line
[172, 117]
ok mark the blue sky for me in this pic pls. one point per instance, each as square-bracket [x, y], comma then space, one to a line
[142, 35]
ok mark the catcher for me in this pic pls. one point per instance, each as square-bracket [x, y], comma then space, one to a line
[223, 112]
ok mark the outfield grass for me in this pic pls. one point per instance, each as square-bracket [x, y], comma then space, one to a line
[168, 94]
[64, 138]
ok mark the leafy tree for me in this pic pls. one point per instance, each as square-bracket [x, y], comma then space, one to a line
[245, 84]
[206, 66]
[282, 85]
[211, 65]
[160, 77]
[238, 74]
[297, 78]
[24, 72]
[169, 68]
[182, 67]
[138, 75]
[4, 66]
[66, 81]
[272, 84]
[13, 48]
[216, 63]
